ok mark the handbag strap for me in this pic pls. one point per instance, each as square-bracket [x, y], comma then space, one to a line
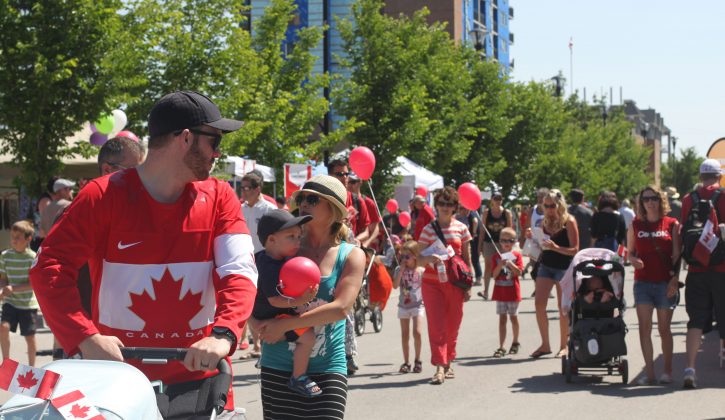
[660, 253]
[439, 232]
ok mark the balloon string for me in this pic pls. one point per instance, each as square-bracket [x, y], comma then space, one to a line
[385, 228]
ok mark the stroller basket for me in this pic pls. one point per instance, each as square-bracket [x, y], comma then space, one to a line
[609, 334]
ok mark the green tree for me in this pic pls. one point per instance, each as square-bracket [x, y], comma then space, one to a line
[683, 172]
[407, 91]
[54, 75]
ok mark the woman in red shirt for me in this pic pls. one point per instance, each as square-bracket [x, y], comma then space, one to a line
[654, 244]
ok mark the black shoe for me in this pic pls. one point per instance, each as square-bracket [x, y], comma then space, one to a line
[352, 367]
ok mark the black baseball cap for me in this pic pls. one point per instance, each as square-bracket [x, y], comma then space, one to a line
[186, 109]
[278, 220]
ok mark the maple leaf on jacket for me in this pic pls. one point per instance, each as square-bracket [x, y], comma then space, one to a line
[169, 311]
[79, 411]
[27, 380]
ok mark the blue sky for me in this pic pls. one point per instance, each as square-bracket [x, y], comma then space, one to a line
[668, 55]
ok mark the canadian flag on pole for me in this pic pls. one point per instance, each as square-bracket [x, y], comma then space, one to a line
[75, 405]
[708, 240]
[622, 252]
[27, 380]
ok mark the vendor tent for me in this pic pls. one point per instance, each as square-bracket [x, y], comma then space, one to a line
[239, 167]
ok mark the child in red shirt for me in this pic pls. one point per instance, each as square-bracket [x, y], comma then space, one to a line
[508, 266]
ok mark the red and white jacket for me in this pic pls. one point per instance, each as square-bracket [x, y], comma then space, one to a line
[162, 274]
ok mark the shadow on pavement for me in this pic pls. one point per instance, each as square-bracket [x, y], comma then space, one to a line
[424, 380]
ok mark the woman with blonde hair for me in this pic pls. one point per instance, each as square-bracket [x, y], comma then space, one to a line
[341, 265]
[560, 244]
[653, 243]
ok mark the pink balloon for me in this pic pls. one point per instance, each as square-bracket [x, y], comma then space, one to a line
[469, 196]
[128, 134]
[391, 206]
[98, 139]
[404, 219]
[362, 161]
[297, 276]
[422, 191]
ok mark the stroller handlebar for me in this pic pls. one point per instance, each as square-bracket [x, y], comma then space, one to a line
[157, 355]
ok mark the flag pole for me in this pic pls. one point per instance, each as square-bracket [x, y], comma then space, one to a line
[571, 66]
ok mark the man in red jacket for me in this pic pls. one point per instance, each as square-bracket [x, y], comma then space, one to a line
[705, 289]
[168, 250]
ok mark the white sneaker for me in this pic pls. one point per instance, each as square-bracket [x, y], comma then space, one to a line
[665, 379]
[593, 346]
[689, 379]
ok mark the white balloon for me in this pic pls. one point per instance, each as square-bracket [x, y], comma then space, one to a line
[119, 120]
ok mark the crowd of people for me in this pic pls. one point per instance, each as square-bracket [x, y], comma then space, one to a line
[163, 224]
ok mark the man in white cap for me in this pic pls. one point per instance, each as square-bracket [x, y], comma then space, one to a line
[705, 289]
[63, 190]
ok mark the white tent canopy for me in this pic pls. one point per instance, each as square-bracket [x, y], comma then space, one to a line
[239, 167]
[422, 176]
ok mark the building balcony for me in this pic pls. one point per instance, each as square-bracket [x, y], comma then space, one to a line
[511, 38]
[511, 12]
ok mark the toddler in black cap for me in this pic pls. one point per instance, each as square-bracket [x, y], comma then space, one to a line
[280, 233]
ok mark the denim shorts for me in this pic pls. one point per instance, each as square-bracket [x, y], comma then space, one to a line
[655, 294]
[550, 273]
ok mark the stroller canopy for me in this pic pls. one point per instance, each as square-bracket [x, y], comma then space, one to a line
[573, 278]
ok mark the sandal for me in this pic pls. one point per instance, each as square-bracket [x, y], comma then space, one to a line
[538, 353]
[449, 373]
[439, 377]
[483, 295]
[501, 352]
[514, 348]
[417, 366]
[404, 368]
[305, 386]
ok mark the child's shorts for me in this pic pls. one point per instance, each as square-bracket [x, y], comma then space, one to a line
[294, 335]
[407, 313]
[504, 308]
[25, 317]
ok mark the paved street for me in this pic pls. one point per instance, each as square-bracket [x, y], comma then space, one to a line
[513, 387]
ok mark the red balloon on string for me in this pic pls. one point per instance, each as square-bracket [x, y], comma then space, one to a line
[297, 276]
[404, 219]
[469, 196]
[128, 134]
[362, 161]
[391, 206]
[422, 191]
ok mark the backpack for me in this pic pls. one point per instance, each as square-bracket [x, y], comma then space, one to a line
[694, 224]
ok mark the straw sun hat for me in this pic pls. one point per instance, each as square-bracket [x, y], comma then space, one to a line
[327, 187]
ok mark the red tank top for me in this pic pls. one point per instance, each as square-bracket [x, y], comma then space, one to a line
[653, 243]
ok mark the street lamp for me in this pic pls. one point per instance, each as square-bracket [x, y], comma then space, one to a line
[478, 35]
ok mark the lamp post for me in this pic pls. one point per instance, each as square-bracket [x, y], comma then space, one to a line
[478, 35]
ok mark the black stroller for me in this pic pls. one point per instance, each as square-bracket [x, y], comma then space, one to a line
[596, 336]
[362, 306]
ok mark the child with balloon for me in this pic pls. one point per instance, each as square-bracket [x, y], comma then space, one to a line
[286, 285]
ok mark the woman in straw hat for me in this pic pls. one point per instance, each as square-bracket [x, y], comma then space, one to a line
[342, 265]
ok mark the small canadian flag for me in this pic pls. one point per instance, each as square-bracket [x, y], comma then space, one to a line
[75, 405]
[27, 380]
[622, 252]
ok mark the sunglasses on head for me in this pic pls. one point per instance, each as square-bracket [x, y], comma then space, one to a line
[549, 206]
[646, 198]
[311, 199]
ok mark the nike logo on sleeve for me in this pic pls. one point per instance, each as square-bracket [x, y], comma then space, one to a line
[124, 246]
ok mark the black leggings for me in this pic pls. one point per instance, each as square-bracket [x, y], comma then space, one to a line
[280, 402]
[475, 258]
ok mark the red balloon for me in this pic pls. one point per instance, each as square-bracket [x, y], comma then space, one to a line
[362, 161]
[130, 135]
[469, 196]
[422, 191]
[404, 219]
[297, 276]
[391, 206]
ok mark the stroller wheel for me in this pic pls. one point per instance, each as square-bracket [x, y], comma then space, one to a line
[624, 369]
[360, 322]
[567, 368]
[377, 319]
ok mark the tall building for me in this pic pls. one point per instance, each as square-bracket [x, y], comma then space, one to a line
[649, 129]
[484, 24]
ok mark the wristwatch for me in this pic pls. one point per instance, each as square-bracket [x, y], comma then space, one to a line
[224, 332]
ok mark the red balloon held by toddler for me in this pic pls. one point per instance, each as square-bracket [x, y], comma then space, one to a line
[297, 276]
[469, 196]
[362, 161]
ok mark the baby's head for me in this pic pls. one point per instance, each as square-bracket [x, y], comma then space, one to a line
[594, 283]
[280, 233]
[507, 239]
[409, 254]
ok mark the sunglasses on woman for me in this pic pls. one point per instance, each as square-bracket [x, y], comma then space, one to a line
[447, 204]
[549, 206]
[311, 199]
[654, 198]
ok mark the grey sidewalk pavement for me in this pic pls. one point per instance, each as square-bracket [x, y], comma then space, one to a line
[512, 387]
